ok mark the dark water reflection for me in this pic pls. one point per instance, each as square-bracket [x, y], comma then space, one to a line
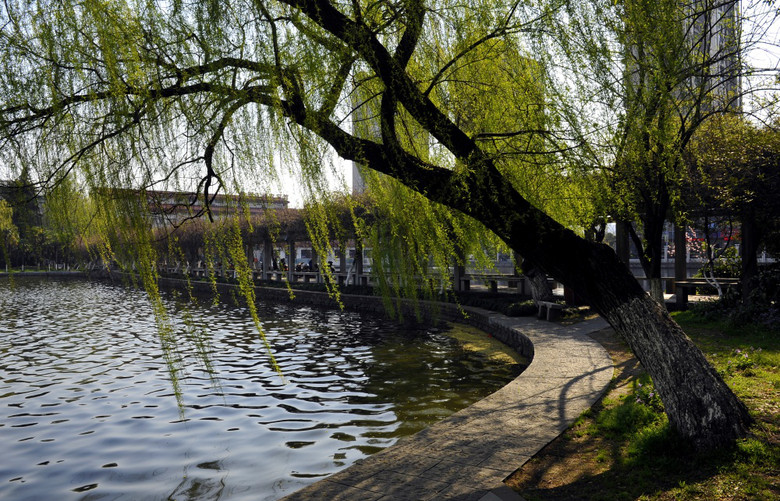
[88, 411]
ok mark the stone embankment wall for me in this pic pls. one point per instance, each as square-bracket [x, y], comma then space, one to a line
[429, 312]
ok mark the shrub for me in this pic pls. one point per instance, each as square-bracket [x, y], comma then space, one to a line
[763, 307]
[521, 309]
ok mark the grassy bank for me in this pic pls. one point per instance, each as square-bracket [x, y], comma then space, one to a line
[623, 447]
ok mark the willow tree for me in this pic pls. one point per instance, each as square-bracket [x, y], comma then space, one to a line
[137, 93]
[655, 72]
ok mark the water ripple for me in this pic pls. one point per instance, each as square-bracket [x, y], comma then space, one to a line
[88, 409]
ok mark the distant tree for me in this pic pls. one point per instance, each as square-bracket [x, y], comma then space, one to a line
[67, 218]
[736, 171]
[9, 234]
[21, 195]
[655, 72]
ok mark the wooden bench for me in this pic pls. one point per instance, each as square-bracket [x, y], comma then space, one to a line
[681, 288]
[548, 310]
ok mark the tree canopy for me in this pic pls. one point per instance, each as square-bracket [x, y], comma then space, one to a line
[208, 96]
[8, 231]
[654, 73]
[736, 176]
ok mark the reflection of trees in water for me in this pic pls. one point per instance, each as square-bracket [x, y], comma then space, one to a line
[193, 488]
[427, 375]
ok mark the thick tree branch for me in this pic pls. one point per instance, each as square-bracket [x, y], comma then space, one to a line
[403, 52]
[365, 43]
[17, 116]
[332, 96]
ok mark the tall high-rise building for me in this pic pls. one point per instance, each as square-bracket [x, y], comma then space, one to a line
[714, 37]
[690, 52]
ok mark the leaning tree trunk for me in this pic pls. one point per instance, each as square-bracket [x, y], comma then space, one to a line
[700, 406]
[698, 403]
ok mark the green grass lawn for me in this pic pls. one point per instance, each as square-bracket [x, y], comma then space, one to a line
[623, 447]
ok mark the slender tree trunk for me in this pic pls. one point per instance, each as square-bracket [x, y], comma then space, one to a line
[653, 229]
[749, 254]
[622, 242]
[537, 280]
[657, 290]
[680, 265]
[650, 255]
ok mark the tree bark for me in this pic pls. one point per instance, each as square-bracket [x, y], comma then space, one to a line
[650, 253]
[537, 280]
[680, 265]
[657, 290]
[749, 253]
[622, 242]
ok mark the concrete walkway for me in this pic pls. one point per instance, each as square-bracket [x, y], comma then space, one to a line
[467, 456]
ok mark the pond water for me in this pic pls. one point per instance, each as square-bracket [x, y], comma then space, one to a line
[88, 408]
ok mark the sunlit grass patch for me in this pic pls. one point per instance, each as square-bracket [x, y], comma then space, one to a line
[624, 447]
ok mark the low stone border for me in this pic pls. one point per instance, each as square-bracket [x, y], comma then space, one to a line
[427, 310]
[44, 273]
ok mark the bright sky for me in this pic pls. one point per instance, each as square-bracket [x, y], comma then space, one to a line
[340, 180]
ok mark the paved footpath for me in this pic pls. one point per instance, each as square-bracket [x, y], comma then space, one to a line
[467, 456]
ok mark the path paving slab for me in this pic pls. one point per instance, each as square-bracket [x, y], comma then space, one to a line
[467, 456]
